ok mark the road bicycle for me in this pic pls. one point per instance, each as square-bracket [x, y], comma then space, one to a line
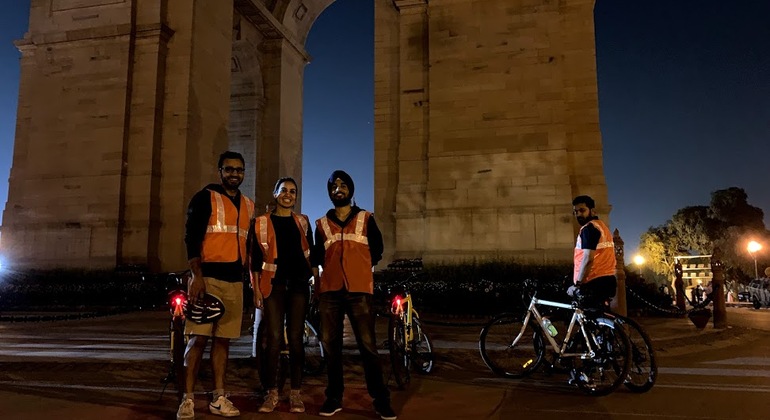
[596, 349]
[410, 346]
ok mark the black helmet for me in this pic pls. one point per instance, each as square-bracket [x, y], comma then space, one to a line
[209, 309]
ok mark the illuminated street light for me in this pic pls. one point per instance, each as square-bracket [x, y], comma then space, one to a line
[753, 247]
[639, 261]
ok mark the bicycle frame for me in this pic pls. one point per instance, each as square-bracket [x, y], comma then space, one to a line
[578, 318]
[402, 307]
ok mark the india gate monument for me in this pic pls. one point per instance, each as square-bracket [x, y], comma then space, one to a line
[486, 124]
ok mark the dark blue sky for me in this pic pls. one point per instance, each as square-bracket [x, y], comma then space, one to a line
[684, 95]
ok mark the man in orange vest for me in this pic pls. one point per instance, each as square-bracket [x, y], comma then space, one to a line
[218, 221]
[594, 256]
[348, 244]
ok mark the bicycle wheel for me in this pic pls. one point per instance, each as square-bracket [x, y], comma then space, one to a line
[314, 352]
[501, 355]
[609, 367]
[177, 350]
[399, 358]
[644, 369]
[422, 348]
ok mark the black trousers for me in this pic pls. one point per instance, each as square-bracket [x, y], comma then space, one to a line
[290, 305]
[358, 306]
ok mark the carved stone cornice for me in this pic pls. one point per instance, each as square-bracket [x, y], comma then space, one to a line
[260, 16]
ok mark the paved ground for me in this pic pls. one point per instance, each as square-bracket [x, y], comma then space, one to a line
[111, 368]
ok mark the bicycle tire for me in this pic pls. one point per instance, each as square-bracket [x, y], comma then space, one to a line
[315, 358]
[612, 360]
[644, 367]
[422, 349]
[177, 350]
[506, 360]
[399, 357]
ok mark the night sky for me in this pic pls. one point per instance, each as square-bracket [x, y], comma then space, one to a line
[684, 97]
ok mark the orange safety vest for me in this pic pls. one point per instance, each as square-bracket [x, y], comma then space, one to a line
[604, 259]
[265, 232]
[227, 230]
[347, 262]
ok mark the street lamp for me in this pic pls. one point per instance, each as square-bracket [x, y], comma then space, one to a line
[753, 247]
[639, 261]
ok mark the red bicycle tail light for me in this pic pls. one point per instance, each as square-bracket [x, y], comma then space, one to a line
[397, 306]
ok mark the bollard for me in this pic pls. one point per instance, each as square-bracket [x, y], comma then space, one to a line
[619, 304]
[718, 289]
[679, 286]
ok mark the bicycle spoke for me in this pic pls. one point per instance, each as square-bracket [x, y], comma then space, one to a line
[644, 369]
[603, 373]
[502, 356]
[422, 349]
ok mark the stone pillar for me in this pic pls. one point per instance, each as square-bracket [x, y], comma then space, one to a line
[679, 286]
[280, 151]
[718, 289]
[619, 304]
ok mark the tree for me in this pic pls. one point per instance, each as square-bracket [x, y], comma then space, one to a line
[728, 222]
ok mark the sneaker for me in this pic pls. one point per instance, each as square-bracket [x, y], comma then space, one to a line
[271, 401]
[186, 410]
[384, 410]
[295, 403]
[330, 408]
[223, 407]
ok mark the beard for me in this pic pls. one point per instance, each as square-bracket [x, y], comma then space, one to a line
[232, 182]
[340, 202]
[582, 220]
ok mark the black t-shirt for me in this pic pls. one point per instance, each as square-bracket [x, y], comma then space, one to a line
[590, 236]
[293, 269]
[198, 215]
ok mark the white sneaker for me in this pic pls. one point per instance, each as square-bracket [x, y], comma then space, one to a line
[186, 410]
[223, 407]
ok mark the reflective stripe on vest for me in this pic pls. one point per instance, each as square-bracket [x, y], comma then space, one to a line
[265, 233]
[604, 262]
[357, 236]
[216, 245]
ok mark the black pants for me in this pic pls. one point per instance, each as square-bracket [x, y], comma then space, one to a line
[358, 306]
[291, 305]
[597, 293]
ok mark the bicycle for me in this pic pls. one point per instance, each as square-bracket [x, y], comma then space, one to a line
[177, 299]
[598, 350]
[410, 347]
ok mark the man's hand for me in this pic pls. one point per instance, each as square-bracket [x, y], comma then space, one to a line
[196, 289]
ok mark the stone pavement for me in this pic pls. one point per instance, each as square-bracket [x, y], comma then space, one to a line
[50, 387]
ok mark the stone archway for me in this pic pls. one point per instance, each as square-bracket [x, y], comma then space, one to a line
[486, 123]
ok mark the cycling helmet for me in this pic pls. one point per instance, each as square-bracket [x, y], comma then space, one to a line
[209, 309]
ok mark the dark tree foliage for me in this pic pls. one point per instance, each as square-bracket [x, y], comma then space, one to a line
[728, 222]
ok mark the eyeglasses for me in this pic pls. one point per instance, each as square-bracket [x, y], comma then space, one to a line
[232, 170]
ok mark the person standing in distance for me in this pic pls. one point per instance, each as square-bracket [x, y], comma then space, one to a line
[594, 257]
[280, 272]
[218, 221]
[348, 244]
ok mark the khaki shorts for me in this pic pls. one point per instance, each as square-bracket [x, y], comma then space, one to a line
[229, 326]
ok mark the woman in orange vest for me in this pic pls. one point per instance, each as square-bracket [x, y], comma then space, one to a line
[281, 273]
